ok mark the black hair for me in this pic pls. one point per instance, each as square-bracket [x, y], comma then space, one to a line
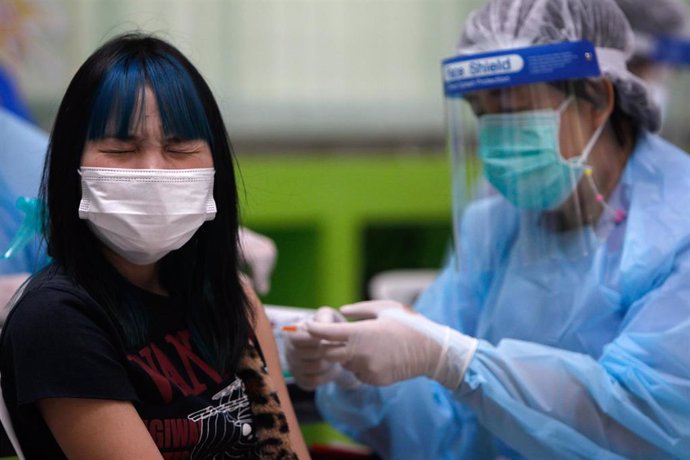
[203, 275]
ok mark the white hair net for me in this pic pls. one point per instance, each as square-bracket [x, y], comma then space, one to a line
[504, 24]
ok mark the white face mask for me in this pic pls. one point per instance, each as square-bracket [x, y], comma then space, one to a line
[143, 214]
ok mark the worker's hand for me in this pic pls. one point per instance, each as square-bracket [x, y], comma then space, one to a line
[305, 355]
[397, 344]
[260, 255]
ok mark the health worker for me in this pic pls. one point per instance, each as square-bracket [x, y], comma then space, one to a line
[560, 328]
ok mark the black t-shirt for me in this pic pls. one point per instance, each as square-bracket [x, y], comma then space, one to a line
[58, 343]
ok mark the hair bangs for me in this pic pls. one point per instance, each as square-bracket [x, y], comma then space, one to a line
[119, 97]
[182, 112]
[118, 107]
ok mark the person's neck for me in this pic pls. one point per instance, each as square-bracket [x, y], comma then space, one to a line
[143, 276]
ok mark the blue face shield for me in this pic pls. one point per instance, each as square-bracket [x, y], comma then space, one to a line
[522, 160]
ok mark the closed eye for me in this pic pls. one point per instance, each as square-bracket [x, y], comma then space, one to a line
[116, 146]
[116, 150]
[185, 147]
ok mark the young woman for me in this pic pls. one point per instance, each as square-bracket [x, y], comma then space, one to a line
[141, 340]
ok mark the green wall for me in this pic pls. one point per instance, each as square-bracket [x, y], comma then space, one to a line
[339, 218]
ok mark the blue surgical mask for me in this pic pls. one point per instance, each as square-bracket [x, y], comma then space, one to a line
[522, 158]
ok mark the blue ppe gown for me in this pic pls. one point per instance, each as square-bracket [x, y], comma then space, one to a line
[22, 152]
[584, 359]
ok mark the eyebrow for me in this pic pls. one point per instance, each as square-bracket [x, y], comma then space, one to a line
[113, 137]
[136, 138]
[179, 139]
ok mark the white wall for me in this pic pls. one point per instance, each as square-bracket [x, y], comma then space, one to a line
[303, 70]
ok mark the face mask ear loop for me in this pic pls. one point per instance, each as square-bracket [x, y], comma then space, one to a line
[564, 105]
[619, 214]
[576, 161]
[581, 160]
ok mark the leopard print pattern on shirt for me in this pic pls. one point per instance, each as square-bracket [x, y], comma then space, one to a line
[272, 432]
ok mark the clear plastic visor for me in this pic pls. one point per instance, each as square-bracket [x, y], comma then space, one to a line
[529, 166]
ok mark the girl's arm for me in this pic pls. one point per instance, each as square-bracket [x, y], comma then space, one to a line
[98, 429]
[264, 334]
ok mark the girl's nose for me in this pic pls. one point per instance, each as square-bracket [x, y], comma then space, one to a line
[152, 157]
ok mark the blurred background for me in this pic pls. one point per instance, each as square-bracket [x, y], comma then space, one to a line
[335, 109]
[302, 72]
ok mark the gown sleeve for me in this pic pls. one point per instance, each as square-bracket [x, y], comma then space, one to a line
[632, 402]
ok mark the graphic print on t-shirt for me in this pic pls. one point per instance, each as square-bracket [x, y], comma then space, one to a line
[161, 363]
[187, 416]
[227, 426]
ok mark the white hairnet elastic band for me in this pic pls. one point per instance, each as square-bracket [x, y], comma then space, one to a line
[643, 45]
[611, 59]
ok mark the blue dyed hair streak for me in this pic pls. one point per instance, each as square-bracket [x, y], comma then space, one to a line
[120, 98]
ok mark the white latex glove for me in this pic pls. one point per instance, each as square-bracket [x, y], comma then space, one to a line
[8, 286]
[260, 254]
[305, 355]
[396, 345]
